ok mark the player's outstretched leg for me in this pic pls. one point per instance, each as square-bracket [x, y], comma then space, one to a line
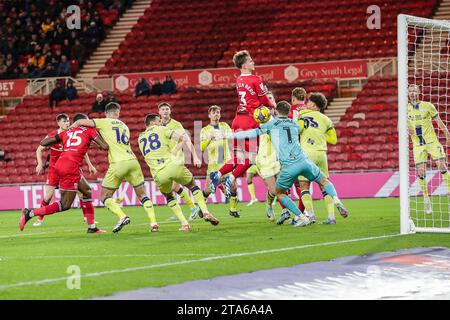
[328, 187]
[200, 200]
[269, 206]
[330, 208]
[184, 195]
[176, 209]
[214, 178]
[40, 219]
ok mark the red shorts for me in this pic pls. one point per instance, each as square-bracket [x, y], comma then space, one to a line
[52, 178]
[69, 175]
[243, 122]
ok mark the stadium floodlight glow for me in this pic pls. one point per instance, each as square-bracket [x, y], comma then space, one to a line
[423, 60]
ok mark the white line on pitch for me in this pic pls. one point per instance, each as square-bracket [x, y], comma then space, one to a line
[103, 256]
[211, 258]
[15, 235]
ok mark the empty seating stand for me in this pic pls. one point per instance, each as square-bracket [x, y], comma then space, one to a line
[177, 34]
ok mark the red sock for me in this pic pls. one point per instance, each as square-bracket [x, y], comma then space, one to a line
[300, 201]
[241, 168]
[227, 167]
[88, 211]
[50, 209]
[43, 203]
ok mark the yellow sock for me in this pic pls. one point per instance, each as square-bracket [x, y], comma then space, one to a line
[175, 207]
[233, 202]
[423, 186]
[200, 199]
[446, 177]
[251, 190]
[114, 207]
[148, 207]
[186, 198]
[307, 200]
[269, 198]
[330, 206]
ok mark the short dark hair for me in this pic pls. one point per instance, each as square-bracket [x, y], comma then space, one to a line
[299, 93]
[240, 57]
[319, 99]
[80, 116]
[151, 117]
[283, 108]
[164, 104]
[213, 107]
[62, 116]
[112, 106]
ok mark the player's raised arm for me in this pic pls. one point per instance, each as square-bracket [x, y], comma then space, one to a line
[249, 134]
[83, 122]
[48, 141]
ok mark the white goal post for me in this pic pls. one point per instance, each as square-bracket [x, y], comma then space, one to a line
[423, 60]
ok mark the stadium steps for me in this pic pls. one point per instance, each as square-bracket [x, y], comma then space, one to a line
[426, 51]
[114, 38]
[338, 107]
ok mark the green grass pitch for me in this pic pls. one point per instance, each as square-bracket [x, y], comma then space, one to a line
[34, 263]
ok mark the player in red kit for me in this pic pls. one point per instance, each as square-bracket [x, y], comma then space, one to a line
[252, 93]
[52, 181]
[75, 143]
[298, 99]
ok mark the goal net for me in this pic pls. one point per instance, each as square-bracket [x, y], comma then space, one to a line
[424, 101]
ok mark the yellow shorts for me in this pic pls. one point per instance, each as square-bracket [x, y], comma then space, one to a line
[319, 158]
[268, 169]
[128, 170]
[253, 170]
[435, 150]
[165, 177]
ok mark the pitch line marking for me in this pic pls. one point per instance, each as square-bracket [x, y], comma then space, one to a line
[16, 235]
[207, 259]
[4, 258]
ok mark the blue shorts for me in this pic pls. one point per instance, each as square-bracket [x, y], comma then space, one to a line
[289, 174]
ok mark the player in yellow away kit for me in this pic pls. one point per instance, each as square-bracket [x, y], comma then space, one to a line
[213, 140]
[165, 111]
[123, 165]
[318, 130]
[155, 145]
[268, 167]
[425, 141]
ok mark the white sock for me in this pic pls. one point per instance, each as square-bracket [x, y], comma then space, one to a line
[331, 216]
[91, 226]
[309, 213]
[336, 200]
